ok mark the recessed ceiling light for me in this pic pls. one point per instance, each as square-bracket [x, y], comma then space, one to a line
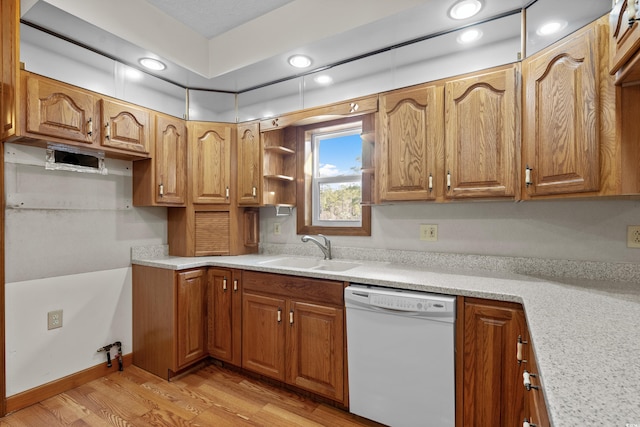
[469, 36]
[299, 61]
[465, 9]
[323, 79]
[551, 27]
[152, 64]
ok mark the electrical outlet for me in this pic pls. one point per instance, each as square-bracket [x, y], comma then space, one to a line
[633, 236]
[429, 232]
[276, 228]
[54, 319]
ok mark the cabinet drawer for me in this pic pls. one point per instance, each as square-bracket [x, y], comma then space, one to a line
[320, 290]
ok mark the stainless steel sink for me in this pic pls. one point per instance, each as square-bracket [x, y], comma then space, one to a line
[311, 264]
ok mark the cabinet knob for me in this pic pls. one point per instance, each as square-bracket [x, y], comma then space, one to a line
[274, 122]
[90, 127]
[353, 107]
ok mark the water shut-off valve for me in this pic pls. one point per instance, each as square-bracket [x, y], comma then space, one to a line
[107, 349]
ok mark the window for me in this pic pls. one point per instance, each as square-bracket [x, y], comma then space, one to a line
[329, 198]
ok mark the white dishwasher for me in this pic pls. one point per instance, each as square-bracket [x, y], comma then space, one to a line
[401, 356]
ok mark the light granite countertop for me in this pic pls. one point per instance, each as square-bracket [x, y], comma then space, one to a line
[586, 333]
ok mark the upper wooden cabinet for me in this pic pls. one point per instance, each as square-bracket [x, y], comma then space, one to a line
[279, 167]
[482, 134]
[57, 110]
[9, 59]
[567, 116]
[625, 42]
[125, 127]
[409, 132]
[249, 165]
[161, 179]
[210, 146]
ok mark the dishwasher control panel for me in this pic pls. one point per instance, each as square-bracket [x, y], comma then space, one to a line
[406, 303]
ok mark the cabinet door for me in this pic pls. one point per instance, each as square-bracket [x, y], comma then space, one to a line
[210, 151]
[535, 409]
[125, 127]
[224, 315]
[9, 18]
[410, 130]
[561, 118]
[191, 311]
[263, 335]
[493, 394]
[316, 349]
[170, 160]
[249, 165]
[60, 111]
[482, 135]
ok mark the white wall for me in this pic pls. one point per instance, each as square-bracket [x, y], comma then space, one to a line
[67, 246]
[559, 229]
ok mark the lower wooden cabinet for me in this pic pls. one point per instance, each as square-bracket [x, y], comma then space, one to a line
[293, 331]
[169, 319]
[490, 391]
[224, 315]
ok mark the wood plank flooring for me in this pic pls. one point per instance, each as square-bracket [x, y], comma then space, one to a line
[210, 396]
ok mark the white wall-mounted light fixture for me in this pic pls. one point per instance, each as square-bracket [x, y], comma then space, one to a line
[469, 36]
[152, 64]
[551, 27]
[465, 9]
[299, 61]
[323, 79]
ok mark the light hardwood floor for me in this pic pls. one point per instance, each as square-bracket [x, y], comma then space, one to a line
[210, 396]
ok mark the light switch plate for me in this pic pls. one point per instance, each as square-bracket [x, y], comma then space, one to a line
[633, 236]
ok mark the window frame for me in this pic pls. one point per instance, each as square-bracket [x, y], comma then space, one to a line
[304, 191]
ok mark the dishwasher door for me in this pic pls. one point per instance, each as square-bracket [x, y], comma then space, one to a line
[401, 356]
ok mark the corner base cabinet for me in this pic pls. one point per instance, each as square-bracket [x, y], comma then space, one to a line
[169, 319]
[293, 331]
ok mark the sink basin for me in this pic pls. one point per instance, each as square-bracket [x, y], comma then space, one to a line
[311, 264]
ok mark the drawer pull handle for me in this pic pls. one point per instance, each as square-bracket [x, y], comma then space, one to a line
[527, 423]
[224, 284]
[235, 285]
[519, 350]
[526, 380]
[279, 315]
[291, 317]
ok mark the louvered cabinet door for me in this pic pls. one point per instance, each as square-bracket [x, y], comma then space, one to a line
[410, 129]
[561, 149]
[482, 135]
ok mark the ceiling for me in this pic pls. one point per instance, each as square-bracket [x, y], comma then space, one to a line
[238, 45]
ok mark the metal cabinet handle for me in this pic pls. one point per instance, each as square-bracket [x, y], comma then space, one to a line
[224, 284]
[279, 315]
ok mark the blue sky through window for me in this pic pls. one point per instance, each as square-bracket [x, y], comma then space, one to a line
[339, 155]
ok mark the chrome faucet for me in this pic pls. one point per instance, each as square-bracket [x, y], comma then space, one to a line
[326, 248]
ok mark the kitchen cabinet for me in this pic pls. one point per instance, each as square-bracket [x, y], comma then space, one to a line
[169, 319]
[249, 165]
[125, 127]
[279, 167]
[9, 60]
[210, 147]
[293, 331]
[482, 134]
[212, 230]
[60, 111]
[410, 130]
[224, 315]
[562, 116]
[161, 179]
[535, 409]
[625, 41]
[489, 389]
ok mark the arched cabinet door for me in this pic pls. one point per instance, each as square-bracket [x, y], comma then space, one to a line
[210, 150]
[125, 127]
[482, 134]
[561, 145]
[249, 164]
[409, 130]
